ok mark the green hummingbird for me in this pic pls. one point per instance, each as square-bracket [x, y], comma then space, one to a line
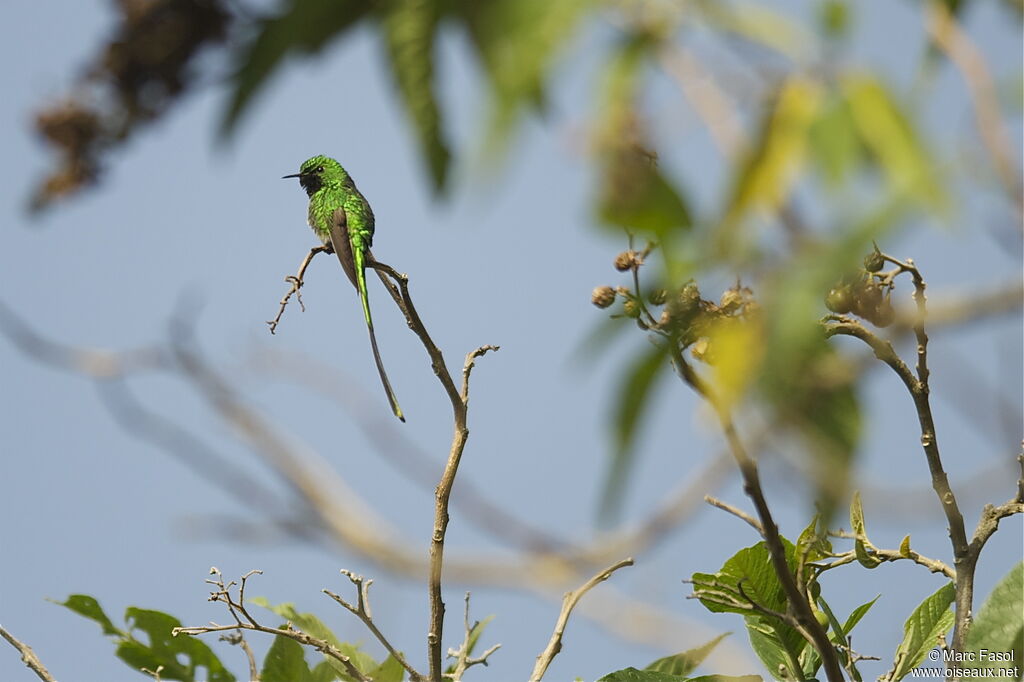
[343, 220]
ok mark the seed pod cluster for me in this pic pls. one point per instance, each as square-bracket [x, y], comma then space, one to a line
[864, 295]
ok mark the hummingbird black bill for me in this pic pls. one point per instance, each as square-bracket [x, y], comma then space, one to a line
[293, 175]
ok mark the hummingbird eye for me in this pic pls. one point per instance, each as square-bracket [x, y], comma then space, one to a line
[320, 169]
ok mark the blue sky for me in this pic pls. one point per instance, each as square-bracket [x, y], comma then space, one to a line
[510, 261]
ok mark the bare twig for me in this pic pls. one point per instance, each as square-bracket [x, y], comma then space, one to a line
[568, 603]
[361, 610]
[933, 565]
[460, 405]
[441, 499]
[296, 281]
[28, 657]
[463, 660]
[737, 512]
[244, 621]
[238, 639]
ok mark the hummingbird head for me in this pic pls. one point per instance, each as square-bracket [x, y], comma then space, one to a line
[320, 171]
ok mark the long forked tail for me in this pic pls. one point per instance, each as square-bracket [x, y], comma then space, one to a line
[384, 375]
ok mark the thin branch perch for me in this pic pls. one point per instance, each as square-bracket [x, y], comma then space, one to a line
[568, 604]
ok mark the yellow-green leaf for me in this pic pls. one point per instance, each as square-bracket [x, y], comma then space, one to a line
[773, 163]
[890, 136]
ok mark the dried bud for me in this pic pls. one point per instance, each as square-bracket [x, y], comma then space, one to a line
[602, 297]
[657, 296]
[731, 300]
[666, 318]
[631, 307]
[689, 298]
[623, 291]
[625, 261]
[701, 350]
[873, 262]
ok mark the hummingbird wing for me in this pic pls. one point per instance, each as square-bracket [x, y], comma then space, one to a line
[353, 261]
[342, 245]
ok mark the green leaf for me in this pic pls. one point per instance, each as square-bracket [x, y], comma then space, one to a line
[635, 388]
[776, 647]
[857, 614]
[752, 568]
[905, 547]
[890, 136]
[866, 559]
[634, 675]
[633, 193]
[685, 662]
[813, 544]
[85, 605]
[834, 141]
[325, 672]
[839, 634]
[286, 662]
[313, 626]
[410, 31]
[929, 623]
[771, 166]
[304, 27]
[517, 41]
[388, 671]
[998, 630]
[167, 650]
[760, 25]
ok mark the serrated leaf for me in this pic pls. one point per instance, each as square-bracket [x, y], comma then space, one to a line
[773, 644]
[636, 386]
[752, 567]
[634, 675]
[410, 31]
[685, 662]
[929, 623]
[87, 606]
[998, 630]
[890, 136]
[303, 27]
